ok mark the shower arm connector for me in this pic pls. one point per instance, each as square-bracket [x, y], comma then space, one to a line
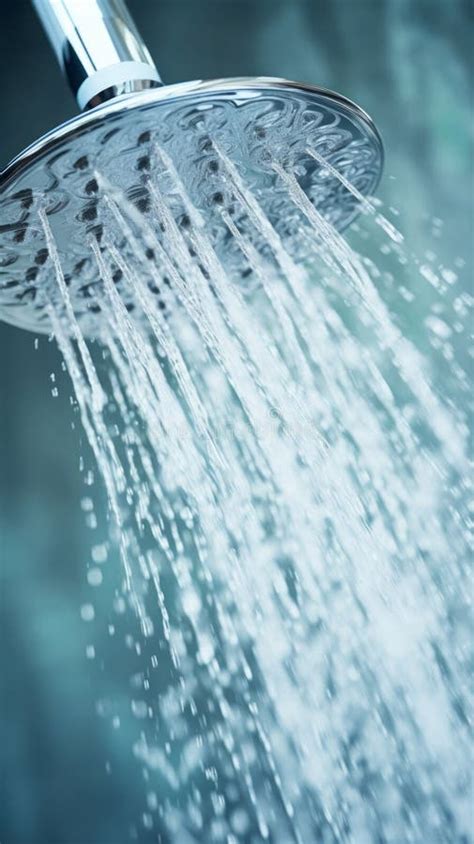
[98, 47]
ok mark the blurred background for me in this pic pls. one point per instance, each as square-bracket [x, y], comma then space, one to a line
[68, 776]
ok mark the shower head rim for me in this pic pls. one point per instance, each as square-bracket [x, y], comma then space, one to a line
[236, 85]
[239, 90]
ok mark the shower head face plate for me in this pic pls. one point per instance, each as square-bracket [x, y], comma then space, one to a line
[217, 141]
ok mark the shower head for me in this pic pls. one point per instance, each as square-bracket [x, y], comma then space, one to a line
[201, 145]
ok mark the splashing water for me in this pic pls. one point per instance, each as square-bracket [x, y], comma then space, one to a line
[288, 489]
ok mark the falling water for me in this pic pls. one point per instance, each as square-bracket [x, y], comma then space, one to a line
[287, 490]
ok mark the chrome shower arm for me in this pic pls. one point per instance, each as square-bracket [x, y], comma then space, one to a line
[98, 47]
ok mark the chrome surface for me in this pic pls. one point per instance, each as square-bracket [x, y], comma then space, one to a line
[255, 121]
[98, 47]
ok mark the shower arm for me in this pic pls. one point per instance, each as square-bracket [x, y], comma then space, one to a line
[98, 47]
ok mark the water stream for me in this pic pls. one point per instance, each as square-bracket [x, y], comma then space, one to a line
[286, 485]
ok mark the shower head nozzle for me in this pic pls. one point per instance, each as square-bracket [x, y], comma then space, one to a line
[219, 141]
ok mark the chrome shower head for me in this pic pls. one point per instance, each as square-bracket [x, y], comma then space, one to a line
[134, 142]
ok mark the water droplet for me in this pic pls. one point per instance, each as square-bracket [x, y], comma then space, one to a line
[99, 553]
[94, 577]
[87, 612]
